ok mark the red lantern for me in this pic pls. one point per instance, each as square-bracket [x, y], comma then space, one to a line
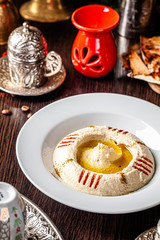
[94, 51]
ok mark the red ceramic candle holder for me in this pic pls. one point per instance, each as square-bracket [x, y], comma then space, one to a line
[94, 52]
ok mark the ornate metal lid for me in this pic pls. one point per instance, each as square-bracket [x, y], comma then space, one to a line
[27, 44]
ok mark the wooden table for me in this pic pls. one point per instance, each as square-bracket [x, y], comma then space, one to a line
[73, 224]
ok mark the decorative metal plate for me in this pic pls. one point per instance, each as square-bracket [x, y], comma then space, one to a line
[7, 86]
[150, 234]
[38, 225]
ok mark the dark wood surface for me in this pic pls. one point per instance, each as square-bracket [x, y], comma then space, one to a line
[72, 223]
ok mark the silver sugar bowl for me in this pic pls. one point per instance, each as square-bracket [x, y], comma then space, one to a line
[29, 61]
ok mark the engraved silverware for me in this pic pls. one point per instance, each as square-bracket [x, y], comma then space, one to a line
[29, 61]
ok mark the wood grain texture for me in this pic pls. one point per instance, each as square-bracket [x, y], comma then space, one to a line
[73, 224]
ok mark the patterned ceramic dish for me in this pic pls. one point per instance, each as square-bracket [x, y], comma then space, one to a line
[12, 213]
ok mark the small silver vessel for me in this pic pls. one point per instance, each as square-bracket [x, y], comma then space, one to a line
[29, 61]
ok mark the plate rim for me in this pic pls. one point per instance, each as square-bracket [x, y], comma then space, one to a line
[92, 197]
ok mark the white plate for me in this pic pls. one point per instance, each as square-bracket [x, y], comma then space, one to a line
[39, 136]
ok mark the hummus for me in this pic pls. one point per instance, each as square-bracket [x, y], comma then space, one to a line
[103, 161]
